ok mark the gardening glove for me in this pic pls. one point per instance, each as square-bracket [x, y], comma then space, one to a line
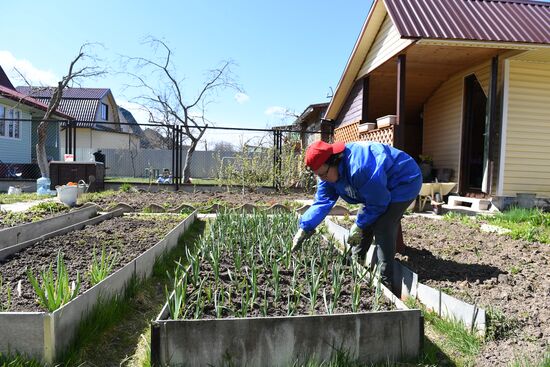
[299, 239]
[355, 235]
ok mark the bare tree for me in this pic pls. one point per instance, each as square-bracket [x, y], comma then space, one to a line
[224, 146]
[75, 74]
[165, 99]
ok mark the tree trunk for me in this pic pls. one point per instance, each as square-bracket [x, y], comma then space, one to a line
[41, 156]
[187, 166]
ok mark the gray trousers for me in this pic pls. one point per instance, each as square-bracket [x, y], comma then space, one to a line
[384, 231]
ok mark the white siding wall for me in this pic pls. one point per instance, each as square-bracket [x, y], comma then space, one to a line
[527, 149]
[443, 118]
[93, 139]
[387, 43]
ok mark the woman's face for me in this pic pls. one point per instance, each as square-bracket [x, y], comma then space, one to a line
[327, 173]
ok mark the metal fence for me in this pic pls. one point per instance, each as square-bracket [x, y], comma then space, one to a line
[155, 153]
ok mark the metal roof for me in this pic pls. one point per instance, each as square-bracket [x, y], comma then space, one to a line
[479, 20]
[77, 93]
[83, 110]
[33, 102]
[82, 103]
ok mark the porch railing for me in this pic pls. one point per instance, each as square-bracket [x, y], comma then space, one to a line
[350, 132]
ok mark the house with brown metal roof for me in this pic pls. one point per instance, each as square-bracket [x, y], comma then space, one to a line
[96, 116]
[465, 82]
[18, 126]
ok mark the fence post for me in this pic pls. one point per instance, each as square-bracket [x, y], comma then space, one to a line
[74, 141]
[177, 155]
[181, 153]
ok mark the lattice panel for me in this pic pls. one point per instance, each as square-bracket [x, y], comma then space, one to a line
[347, 133]
[383, 135]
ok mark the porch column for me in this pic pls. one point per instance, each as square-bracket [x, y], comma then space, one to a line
[398, 138]
[365, 105]
[490, 122]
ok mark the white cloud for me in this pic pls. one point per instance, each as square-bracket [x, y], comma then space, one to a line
[241, 98]
[276, 111]
[33, 75]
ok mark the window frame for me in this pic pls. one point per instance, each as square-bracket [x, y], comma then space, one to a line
[104, 111]
[10, 129]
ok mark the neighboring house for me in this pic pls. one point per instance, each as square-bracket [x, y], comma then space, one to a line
[18, 125]
[469, 83]
[97, 118]
[312, 126]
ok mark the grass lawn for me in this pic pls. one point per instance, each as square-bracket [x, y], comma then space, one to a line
[532, 225]
[129, 180]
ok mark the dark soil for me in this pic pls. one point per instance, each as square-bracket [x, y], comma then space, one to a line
[493, 271]
[199, 199]
[128, 236]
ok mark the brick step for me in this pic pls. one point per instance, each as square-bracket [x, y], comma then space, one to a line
[473, 203]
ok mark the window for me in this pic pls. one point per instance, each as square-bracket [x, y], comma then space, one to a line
[104, 112]
[10, 126]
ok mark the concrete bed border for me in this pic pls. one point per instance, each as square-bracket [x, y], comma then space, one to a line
[369, 337]
[446, 306]
[45, 335]
[28, 231]
[7, 251]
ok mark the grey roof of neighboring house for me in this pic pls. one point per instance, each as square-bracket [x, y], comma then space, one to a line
[82, 103]
[480, 20]
[4, 80]
[127, 117]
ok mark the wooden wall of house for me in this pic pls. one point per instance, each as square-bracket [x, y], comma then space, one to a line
[442, 130]
[16, 150]
[388, 43]
[526, 118]
[353, 107]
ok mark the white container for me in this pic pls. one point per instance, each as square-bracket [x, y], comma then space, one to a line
[386, 121]
[366, 126]
[67, 194]
[14, 190]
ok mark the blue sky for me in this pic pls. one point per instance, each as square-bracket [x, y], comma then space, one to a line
[288, 53]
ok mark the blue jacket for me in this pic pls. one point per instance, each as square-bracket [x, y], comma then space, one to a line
[372, 174]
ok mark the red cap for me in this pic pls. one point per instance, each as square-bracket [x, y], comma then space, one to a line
[318, 153]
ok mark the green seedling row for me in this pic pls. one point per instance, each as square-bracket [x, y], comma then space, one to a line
[244, 267]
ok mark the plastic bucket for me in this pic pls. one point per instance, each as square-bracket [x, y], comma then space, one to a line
[67, 194]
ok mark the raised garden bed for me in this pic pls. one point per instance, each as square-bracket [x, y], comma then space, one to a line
[138, 240]
[246, 298]
[41, 211]
[27, 232]
[199, 199]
